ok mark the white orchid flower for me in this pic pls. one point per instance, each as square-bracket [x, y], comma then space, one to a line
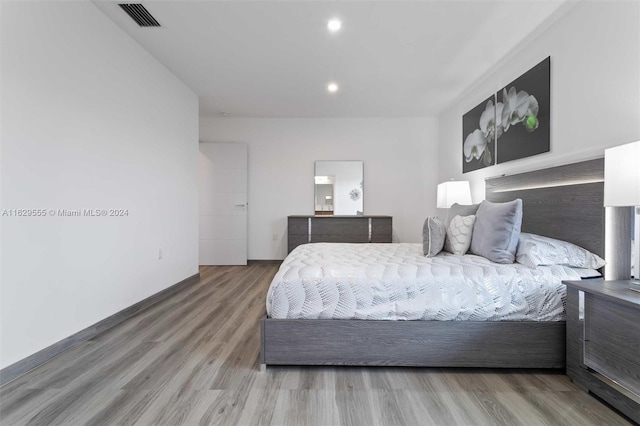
[491, 120]
[474, 145]
[518, 107]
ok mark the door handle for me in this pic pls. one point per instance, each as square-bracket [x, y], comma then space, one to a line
[240, 205]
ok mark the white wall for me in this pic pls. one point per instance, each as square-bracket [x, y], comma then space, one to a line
[89, 121]
[400, 169]
[595, 90]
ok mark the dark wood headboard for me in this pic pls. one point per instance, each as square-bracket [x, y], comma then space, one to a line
[564, 202]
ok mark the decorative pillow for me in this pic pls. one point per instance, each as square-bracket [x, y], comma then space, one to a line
[461, 210]
[433, 234]
[497, 230]
[459, 234]
[534, 250]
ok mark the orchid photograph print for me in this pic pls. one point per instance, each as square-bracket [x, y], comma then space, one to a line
[512, 124]
[525, 115]
[478, 129]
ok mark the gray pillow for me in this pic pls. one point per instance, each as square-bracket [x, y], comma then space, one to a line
[433, 233]
[497, 230]
[460, 210]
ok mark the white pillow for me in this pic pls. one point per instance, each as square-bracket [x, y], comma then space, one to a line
[459, 234]
[534, 250]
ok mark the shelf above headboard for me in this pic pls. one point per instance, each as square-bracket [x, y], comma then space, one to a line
[563, 202]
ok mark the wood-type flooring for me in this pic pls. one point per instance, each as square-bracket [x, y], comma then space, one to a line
[193, 359]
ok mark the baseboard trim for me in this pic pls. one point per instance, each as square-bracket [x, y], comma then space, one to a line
[264, 262]
[23, 366]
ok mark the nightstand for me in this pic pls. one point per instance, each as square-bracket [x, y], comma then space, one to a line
[603, 341]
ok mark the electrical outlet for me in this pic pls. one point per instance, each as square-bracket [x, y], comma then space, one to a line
[159, 254]
[274, 237]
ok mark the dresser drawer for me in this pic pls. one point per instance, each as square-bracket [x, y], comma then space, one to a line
[381, 229]
[612, 341]
[339, 230]
[609, 363]
[298, 226]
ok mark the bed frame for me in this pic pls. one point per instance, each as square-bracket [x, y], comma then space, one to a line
[564, 202]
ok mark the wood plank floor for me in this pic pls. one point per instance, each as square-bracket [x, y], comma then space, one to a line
[193, 359]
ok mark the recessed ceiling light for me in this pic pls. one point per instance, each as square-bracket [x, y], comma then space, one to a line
[332, 87]
[224, 114]
[334, 25]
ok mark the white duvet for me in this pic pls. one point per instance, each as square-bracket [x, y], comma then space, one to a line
[396, 282]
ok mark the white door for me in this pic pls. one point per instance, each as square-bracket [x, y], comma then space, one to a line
[223, 204]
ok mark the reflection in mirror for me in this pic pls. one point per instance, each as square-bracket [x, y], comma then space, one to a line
[338, 188]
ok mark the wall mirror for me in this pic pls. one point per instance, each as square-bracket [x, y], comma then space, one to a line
[338, 188]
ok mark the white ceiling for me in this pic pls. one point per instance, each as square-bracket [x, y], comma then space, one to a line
[275, 58]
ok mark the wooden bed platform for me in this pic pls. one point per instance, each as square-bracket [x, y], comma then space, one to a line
[413, 343]
[564, 202]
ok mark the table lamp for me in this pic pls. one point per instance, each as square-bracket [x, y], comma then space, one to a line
[622, 186]
[453, 192]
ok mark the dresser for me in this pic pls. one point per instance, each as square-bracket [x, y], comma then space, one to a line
[603, 341]
[338, 229]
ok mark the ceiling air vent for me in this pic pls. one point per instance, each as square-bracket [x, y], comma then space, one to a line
[138, 13]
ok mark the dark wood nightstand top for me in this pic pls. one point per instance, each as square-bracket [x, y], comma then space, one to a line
[616, 291]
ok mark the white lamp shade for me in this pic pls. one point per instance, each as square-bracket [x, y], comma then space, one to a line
[622, 175]
[453, 192]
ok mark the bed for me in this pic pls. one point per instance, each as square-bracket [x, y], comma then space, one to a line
[553, 199]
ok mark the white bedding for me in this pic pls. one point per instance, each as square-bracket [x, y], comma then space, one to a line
[396, 282]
